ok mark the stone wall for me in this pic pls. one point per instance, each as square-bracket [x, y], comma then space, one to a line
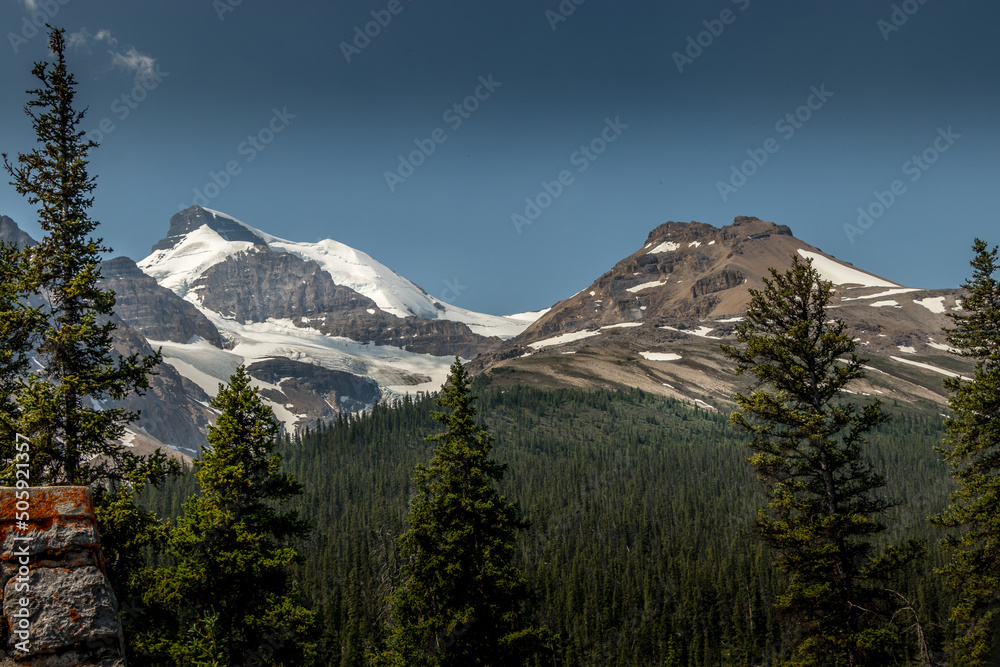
[52, 577]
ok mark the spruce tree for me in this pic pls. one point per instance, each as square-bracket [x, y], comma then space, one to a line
[74, 438]
[974, 458]
[18, 322]
[824, 507]
[233, 548]
[461, 601]
[52, 308]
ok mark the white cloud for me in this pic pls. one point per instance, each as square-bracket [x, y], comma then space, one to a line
[31, 5]
[133, 61]
[83, 38]
[77, 40]
[141, 65]
[106, 36]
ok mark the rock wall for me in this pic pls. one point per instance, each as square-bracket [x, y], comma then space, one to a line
[152, 310]
[57, 601]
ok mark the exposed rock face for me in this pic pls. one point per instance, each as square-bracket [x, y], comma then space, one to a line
[56, 596]
[254, 286]
[717, 282]
[683, 291]
[11, 233]
[438, 337]
[172, 413]
[316, 392]
[154, 311]
[194, 217]
[173, 409]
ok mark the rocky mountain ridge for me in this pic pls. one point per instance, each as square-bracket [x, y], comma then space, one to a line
[324, 329]
[656, 319]
[284, 304]
[175, 412]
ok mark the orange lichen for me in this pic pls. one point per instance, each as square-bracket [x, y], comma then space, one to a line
[48, 502]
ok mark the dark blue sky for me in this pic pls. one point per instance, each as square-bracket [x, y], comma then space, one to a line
[677, 127]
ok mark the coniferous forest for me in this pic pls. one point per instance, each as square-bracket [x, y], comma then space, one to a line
[641, 547]
[519, 525]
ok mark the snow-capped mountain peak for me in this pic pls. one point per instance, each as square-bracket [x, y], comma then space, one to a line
[321, 327]
[201, 238]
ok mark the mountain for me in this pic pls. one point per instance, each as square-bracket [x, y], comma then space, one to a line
[325, 329]
[154, 311]
[199, 239]
[11, 233]
[655, 320]
[175, 412]
[322, 328]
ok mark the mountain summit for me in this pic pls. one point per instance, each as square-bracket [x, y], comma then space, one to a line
[11, 233]
[195, 217]
[325, 329]
[656, 318]
[322, 327]
[693, 270]
[200, 239]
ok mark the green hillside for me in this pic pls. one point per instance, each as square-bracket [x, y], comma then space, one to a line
[642, 509]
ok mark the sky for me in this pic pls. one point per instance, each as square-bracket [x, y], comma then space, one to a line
[503, 155]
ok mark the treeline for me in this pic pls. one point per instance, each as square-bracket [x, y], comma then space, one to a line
[641, 549]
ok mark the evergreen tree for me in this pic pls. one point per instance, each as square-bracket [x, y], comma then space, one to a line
[824, 507]
[233, 547]
[75, 435]
[640, 500]
[73, 441]
[461, 602]
[17, 324]
[974, 457]
[129, 534]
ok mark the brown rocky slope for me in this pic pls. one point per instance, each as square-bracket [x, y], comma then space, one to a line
[656, 319]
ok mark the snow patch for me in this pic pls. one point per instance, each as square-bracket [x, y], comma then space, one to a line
[901, 290]
[529, 317]
[660, 356]
[840, 274]
[666, 246]
[563, 338]
[907, 349]
[128, 438]
[701, 332]
[639, 288]
[888, 303]
[622, 325]
[929, 367]
[935, 304]
[943, 348]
